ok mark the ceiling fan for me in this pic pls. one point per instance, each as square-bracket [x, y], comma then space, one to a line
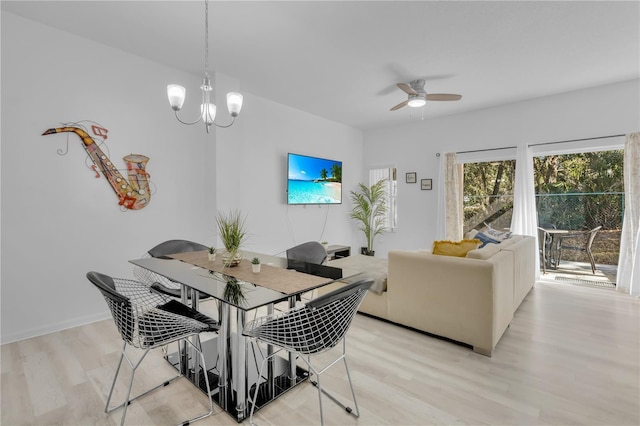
[418, 97]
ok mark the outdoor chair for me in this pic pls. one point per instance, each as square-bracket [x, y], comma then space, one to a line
[544, 248]
[157, 282]
[147, 320]
[311, 329]
[579, 241]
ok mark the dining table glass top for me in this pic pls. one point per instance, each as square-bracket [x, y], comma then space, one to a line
[272, 284]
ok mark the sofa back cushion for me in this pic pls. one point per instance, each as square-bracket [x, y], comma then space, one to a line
[485, 252]
[455, 248]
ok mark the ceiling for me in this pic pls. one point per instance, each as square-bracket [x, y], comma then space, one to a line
[341, 59]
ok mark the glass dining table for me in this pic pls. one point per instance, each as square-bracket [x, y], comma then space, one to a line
[236, 367]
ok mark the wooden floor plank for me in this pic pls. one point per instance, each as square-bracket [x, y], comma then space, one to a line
[570, 356]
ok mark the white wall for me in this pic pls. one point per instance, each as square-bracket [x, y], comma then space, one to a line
[59, 222]
[255, 181]
[600, 111]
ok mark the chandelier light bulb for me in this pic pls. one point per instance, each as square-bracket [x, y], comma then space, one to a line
[234, 103]
[176, 95]
[208, 113]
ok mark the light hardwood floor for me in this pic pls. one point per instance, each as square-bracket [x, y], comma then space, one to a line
[571, 356]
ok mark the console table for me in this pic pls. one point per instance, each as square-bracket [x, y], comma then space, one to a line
[338, 252]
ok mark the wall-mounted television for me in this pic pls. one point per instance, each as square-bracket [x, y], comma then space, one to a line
[313, 180]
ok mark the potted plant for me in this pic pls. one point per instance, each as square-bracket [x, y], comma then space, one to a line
[212, 254]
[369, 210]
[255, 264]
[325, 244]
[232, 233]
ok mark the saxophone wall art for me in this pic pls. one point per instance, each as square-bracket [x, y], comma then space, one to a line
[133, 194]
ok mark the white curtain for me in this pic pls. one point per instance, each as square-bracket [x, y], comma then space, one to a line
[524, 220]
[449, 221]
[628, 279]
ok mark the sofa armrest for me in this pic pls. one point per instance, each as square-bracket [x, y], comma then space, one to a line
[467, 300]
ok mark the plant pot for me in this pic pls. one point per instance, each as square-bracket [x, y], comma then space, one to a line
[367, 252]
[212, 257]
[255, 268]
[230, 260]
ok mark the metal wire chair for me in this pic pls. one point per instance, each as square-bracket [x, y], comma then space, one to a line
[313, 328]
[157, 282]
[147, 320]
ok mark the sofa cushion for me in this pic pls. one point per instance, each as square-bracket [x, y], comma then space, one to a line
[455, 248]
[485, 252]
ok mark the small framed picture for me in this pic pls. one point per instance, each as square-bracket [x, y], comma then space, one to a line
[411, 177]
[425, 184]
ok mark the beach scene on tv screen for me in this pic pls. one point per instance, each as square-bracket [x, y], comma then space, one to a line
[314, 180]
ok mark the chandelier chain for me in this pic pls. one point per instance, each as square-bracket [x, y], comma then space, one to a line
[206, 37]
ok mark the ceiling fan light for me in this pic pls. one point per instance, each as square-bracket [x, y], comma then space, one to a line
[417, 102]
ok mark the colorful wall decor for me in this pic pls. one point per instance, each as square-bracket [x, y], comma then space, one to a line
[132, 193]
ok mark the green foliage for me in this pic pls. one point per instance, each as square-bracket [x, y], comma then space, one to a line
[336, 172]
[594, 174]
[370, 209]
[255, 261]
[231, 229]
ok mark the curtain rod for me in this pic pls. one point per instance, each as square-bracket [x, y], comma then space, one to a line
[484, 150]
[574, 140]
[540, 144]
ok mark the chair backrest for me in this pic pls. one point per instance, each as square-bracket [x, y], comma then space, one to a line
[316, 327]
[547, 225]
[592, 236]
[161, 251]
[175, 246]
[311, 252]
[119, 305]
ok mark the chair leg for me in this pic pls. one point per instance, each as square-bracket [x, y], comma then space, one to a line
[255, 394]
[198, 349]
[319, 386]
[128, 398]
[115, 378]
[353, 393]
[593, 262]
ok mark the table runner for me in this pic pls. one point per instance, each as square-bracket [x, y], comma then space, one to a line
[286, 281]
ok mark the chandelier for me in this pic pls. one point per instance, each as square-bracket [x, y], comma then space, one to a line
[177, 93]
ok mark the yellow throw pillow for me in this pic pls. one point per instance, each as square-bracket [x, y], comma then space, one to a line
[455, 248]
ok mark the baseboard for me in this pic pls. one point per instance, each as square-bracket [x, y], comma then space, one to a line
[52, 328]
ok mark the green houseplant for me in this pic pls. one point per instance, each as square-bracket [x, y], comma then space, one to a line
[255, 264]
[232, 233]
[370, 210]
[212, 253]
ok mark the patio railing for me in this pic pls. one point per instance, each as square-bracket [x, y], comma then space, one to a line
[573, 211]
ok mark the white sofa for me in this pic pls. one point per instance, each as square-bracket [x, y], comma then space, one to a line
[470, 300]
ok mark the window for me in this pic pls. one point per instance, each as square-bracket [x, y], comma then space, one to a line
[389, 174]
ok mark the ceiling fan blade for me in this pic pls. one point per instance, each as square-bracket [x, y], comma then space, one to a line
[400, 105]
[407, 89]
[443, 97]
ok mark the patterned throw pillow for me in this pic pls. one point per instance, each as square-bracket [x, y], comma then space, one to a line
[497, 235]
[455, 248]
